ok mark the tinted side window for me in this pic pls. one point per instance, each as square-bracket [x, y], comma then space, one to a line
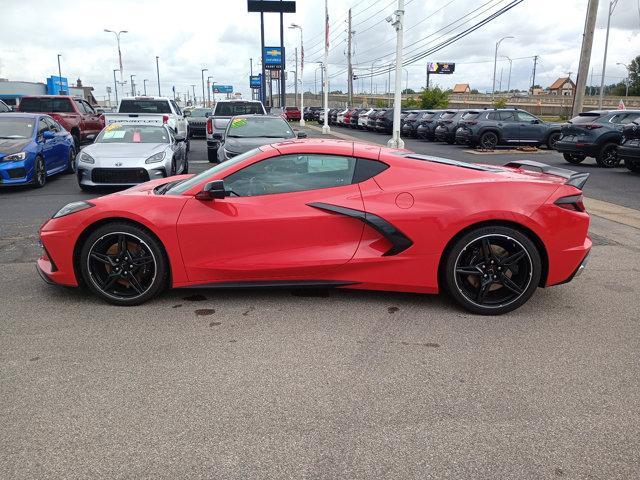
[42, 126]
[365, 169]
[62, 105]
[493, 116]
[526, 117]
[291, 173]
[88, 108]
[48, 123]
[508, 117]
[176, 107]
[30, 105]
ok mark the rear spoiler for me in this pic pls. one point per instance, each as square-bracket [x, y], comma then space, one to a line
[574, 179]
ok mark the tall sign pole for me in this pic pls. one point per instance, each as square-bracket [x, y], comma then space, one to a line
[585, 56]
[325, 80]
[263, 87]
[283, 84]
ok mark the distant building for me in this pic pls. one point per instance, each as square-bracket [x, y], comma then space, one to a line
[12, 91]
[461, 88]
[563, 86]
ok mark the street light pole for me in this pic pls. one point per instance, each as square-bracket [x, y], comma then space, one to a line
[209, 91]
[133, 89]
[202, 74]
[115, 84]
[158, 73]
[395, 141]
[193, 86]
[626, 82]
[325, 81]
[117, 34]
[59, 69]
[144, 85]
[495, 64]
[293, 25]
[612, 6]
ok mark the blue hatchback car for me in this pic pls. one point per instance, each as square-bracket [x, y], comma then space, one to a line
[32, 148]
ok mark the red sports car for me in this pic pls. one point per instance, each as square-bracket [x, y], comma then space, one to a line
[330, 213]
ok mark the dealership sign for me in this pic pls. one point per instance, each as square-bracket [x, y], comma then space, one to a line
[440, 67]
[223, 89]
[273, 58]
[255, 81]
[57, 86]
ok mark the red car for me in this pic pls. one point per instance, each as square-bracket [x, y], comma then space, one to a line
[292, 113]
[334, 213]
[74, 114]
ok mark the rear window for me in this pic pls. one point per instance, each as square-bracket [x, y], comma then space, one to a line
[586, 117]
[428, 116]
[45, 105]
[291, 109]
[470, 115]
[238, 108]
[144, 106]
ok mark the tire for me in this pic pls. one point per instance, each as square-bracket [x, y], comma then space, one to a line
[185, 161]
[551, 141]
[188, 142]
[76, 140]
[608, 156]
[212, 155]
[85, 188]
[173, 168]
[105, 264]
[495, 288]
[488, 140]
[39, 173]
[573, 158]
[632, 165]
[71, 161]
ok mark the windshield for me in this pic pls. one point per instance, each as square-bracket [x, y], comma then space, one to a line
[470, 115]
[200, 112]
[448, 115]
[586, 117]
[229, 109]
[144, 106]
[185, 185]
[16, 127]
[117, 133]
[268, 127]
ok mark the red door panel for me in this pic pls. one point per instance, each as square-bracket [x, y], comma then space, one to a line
[269, 236]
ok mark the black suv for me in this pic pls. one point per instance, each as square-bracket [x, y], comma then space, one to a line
[311, 113]
[505, 126]
[594, 134]
[629, 150]
[384, 121]
[447, 126]
[373, 117]
[426, 129]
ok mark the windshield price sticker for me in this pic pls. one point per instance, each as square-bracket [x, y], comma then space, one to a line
[238, 122]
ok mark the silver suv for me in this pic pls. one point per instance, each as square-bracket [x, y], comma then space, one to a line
[222, 113]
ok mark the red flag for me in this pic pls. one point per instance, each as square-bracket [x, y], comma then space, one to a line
[621, 105]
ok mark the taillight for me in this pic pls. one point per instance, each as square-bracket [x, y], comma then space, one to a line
[572, 202]
[165, 119]
[209, 126]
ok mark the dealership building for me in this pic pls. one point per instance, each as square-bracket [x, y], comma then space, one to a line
[12, 91]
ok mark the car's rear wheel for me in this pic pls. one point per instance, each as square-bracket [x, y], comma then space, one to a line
[123, 264]
[39, 173]
[212, 155]
[632, 165]
[492, 270]
[573, 158]
[488, 140]
[608, 156]
[552, 140]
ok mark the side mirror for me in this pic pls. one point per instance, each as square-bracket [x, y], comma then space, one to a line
[179, 138]
[213, 189]
[301, 134]
[48, 135]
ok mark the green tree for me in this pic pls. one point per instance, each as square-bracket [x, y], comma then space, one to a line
[634, 76]
[410, 103]
[434, 98]
[408, 91]
[336, 92]
[500, 103]
[381, 103]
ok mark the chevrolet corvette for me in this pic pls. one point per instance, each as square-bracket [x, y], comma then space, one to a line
[329, 213]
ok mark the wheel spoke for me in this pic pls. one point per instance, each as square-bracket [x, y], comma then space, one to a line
[134, 283]
[482, 291]
[102, 258]
[508, 283]
[470, 270]
[122, 244]
[510, 260]
[486, 249]
[110, 281]
[140, 261]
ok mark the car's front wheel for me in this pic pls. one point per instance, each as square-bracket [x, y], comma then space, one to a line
[552, 140]
[573, 159]
[39, 173]
[488, 140]
[492, 270]
[632, 165]
[123, 264]
[608, 156]
[71, 161]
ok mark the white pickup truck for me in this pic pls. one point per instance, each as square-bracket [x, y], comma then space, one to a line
[151, 110]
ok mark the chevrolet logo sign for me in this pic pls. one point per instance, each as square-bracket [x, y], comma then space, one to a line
[273, 52]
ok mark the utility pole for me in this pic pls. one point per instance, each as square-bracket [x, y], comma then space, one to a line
[144, 85]
[209, 92]
[509, 77]
[612, 6]
[325, 79]
[194, 94]
[253, 92]
[585, 55]
[109, 95]
[133, 86]
[533, 81]
[158, 73]
[202, 74]
[59, 69]
[395, 141]
[349, 65]
[295, 78]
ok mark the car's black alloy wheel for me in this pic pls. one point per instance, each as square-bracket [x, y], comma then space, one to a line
[492, 270]
[71, 161]
[608, 156]
[552, 140]
[488, 140]
[123, 264]
[573, 158]
[632, 165]
[40, 173]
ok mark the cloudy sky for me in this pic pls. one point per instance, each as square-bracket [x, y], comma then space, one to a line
[222, 36]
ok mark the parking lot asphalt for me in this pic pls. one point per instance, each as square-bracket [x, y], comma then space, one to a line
[613, 185]
[315, 384]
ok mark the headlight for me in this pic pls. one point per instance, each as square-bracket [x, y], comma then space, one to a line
[73, 208]
[15, 157]
[158, 157]
[86, 158]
